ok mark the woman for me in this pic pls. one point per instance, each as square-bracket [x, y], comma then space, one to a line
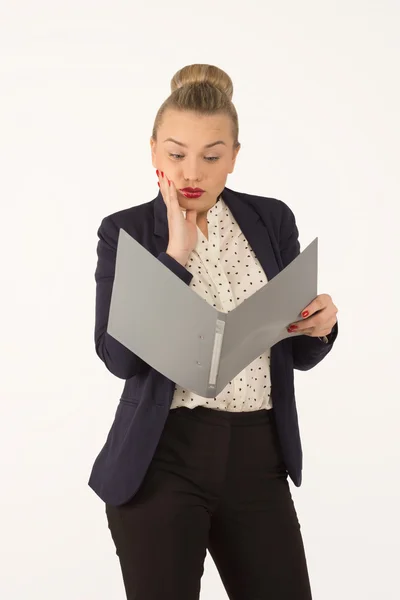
[179, 473]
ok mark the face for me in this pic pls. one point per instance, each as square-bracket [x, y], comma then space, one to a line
[195, 151]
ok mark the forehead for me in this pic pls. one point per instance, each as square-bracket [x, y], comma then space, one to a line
[189, 125]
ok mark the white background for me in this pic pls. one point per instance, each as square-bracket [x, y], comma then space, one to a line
[317, 92]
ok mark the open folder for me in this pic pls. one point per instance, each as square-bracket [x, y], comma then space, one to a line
[160, 318]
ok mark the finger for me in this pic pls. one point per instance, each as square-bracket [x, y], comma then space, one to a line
[308, 323]
[175, 210]
[320, 321]
[163, 187]
[173, 196]
[318, 330]
[191, 216]
[307, 331]
[319, 303]
[169, 192]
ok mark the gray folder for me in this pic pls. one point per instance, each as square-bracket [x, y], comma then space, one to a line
[160, 318]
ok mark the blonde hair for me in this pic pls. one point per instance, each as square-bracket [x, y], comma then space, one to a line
[203, 89]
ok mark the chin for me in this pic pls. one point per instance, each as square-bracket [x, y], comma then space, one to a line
[204, 200]
[189, 202]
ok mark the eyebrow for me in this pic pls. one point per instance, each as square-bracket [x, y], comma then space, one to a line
[185, 146]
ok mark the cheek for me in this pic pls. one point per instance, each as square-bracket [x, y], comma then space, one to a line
[162, 163]
[155, 159]
[159, 158]
[171, 170]
[222, 170]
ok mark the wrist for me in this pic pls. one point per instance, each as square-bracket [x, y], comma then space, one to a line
[180, 257]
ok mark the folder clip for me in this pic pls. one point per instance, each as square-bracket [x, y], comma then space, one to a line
[219, 336]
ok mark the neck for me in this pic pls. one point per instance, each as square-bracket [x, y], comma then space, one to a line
[203, 214]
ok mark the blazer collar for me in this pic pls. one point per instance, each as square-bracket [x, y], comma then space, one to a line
[248, 219]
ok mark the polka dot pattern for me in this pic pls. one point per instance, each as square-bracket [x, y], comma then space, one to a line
[225, 272]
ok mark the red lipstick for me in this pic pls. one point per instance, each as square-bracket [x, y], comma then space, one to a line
[190, 192]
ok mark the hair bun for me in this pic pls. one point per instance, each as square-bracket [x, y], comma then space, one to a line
[198, 73]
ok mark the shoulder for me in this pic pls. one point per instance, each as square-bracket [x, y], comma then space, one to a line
[131, 219]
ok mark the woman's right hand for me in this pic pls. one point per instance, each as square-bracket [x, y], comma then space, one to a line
[182, 232]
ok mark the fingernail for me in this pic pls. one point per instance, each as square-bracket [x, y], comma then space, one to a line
[158, 173]
[293, 327]
[158, 183]
[162, 173]
[305, 314]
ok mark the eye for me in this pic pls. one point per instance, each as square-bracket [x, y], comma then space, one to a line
[207, 158]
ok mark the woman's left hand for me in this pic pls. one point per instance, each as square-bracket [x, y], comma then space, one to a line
[319, 318]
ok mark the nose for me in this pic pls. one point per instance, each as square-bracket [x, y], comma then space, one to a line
[191, 172]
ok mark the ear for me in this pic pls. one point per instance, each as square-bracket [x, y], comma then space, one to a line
[153, 146]
[235, 153]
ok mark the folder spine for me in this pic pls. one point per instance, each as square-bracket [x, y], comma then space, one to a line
[216, 354]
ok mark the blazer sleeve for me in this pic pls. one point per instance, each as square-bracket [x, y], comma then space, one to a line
[307, 351]
[120, 361]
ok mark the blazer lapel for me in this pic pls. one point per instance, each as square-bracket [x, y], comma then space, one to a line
[254, 231]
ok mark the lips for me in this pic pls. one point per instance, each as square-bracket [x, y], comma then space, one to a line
[192, 192]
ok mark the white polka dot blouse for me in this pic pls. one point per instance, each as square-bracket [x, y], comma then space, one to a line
[225, 272]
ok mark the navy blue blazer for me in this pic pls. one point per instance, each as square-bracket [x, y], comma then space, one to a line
[269, 226]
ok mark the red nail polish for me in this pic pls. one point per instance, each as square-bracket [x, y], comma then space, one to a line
[162, 173]
[305, 314]
[293, 327]
[158, 183]
[158, 172]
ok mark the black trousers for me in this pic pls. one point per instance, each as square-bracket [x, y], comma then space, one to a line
[217, 482]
